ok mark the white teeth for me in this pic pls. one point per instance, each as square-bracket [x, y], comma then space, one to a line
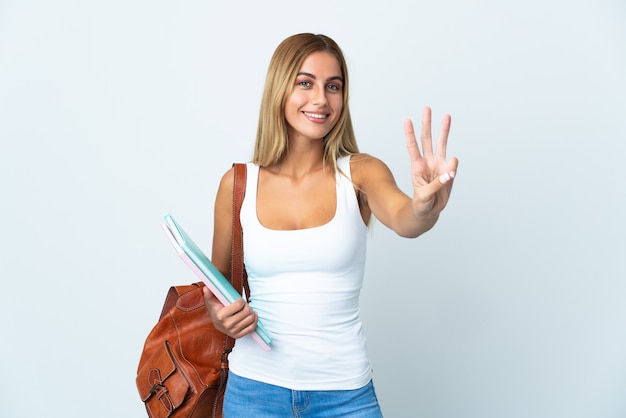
[315, 115]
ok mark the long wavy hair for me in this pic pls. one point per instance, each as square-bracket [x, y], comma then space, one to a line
[272, 138]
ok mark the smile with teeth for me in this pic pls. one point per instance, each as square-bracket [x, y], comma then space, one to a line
[319, 116]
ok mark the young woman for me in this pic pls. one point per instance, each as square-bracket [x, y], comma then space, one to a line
[310, 195]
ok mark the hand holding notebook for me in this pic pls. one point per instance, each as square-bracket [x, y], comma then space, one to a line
[200, 264]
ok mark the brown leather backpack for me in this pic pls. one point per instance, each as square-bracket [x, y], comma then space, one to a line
[183, 367]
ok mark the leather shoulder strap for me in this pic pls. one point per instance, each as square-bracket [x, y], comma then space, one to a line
[238, 276]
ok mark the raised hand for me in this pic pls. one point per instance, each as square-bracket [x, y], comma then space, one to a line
[432, 176]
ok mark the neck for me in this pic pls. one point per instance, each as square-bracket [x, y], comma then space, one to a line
[299, 164]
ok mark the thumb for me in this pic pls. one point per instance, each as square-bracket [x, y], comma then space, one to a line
[210, 300]
[450, 173]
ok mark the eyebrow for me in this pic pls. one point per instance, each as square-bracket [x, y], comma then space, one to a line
[315, 78]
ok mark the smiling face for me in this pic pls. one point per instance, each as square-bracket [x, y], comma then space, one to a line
[315, 103]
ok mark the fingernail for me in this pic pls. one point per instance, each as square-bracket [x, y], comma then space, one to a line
[444, 178]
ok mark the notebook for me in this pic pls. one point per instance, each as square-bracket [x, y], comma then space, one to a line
[200, 264]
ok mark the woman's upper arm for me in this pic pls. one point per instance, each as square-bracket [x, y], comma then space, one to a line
[222, 224]
[384, 198]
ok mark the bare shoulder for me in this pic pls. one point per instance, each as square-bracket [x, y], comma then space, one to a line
[228, 181]
[365, 168]
[224, 198]
[222, 225]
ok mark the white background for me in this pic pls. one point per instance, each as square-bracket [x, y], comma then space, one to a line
[114, 113]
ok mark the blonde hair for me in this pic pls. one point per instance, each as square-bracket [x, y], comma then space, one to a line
[271, 139]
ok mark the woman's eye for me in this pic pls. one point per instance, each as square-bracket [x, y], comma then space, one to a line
[334, 87]
[304, 83]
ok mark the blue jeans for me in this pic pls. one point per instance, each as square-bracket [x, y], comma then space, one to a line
[249, 398]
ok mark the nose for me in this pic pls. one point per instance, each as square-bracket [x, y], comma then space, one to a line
[319, 96]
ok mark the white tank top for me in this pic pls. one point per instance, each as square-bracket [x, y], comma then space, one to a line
[305, 286]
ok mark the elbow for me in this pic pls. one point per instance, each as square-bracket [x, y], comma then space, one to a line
[412, 234]
[417, 229]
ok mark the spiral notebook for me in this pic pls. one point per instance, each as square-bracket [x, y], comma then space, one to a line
[200, 264]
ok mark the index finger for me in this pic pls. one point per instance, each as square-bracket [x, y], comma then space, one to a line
[411, 141]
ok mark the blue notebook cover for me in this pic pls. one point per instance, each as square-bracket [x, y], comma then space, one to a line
[191, 254]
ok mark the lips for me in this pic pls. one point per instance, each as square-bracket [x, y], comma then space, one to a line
[316, 117]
